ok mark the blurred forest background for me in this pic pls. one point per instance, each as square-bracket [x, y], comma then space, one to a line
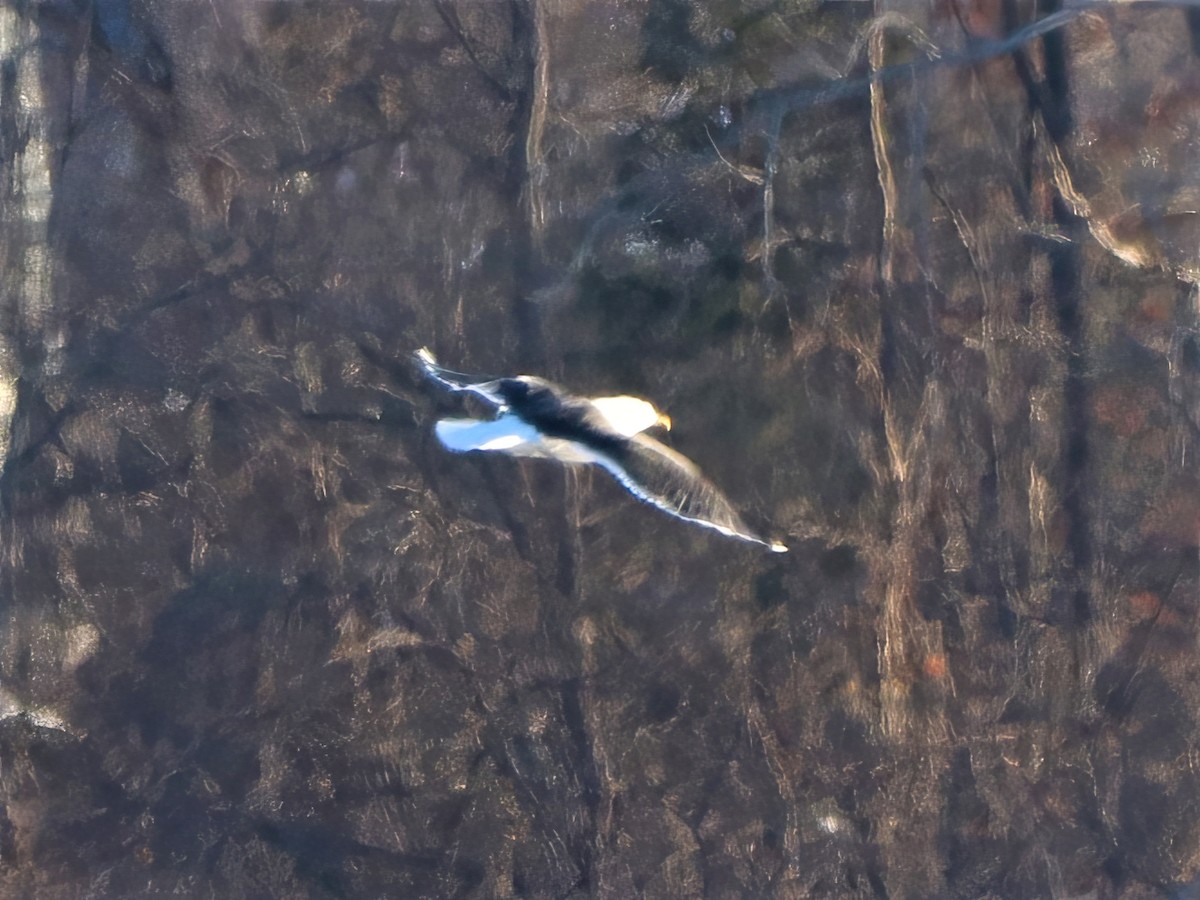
[917, 282]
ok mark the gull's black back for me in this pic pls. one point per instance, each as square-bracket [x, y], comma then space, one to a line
[555, 413]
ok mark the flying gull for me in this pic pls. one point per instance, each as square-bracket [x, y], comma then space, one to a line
[535, 418]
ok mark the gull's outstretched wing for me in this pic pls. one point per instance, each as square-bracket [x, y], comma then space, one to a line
[656, 474]
[480, 385]
[507, 434]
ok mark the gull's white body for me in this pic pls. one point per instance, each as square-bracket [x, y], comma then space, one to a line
[511, 434]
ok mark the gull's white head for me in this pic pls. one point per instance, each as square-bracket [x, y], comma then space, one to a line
[630, 415]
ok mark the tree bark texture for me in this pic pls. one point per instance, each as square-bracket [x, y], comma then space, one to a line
[917, 284]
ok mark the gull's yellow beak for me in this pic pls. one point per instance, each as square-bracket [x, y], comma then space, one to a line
[664, 420]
